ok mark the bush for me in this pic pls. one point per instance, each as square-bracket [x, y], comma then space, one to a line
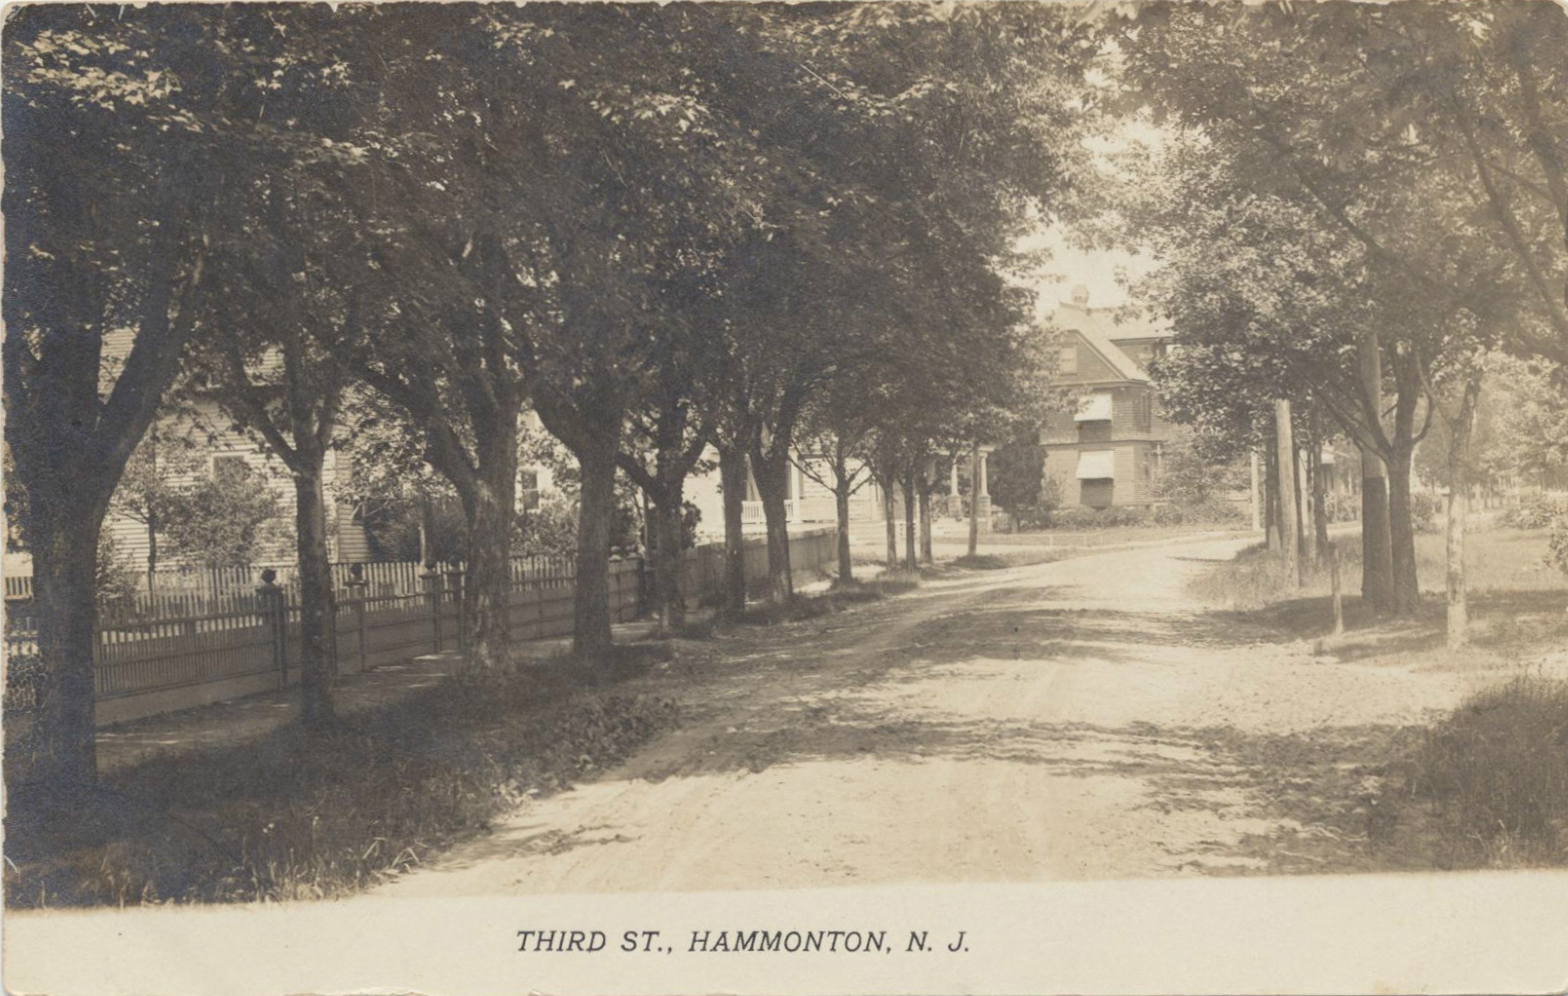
[1423, 511]
[1211, 511]
[547, 531]
[1497, 768]
[1536, 511]
[1082, 517]
[1342, 506]
[1557, 546]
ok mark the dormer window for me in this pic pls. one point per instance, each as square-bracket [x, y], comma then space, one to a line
[1067, 361]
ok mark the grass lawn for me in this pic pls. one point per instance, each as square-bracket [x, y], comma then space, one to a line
[1485, 785]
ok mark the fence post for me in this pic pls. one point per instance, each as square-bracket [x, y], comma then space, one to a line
[454, 584]
[356, 593]
[274, 609]
[432, 579]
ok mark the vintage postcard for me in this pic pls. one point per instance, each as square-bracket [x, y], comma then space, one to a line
[843, 497]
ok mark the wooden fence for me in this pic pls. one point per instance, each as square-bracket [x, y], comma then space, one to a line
[159, 653]
[242, 644]
[811, 554]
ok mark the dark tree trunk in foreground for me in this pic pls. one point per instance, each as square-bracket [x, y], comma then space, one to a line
[317, 610]
[1377, 554]
[974, 499]
[732, 482]
[841, 485]
[926, 555]
[1377, 557]
[487, 587]
[889, 522]
[670, 604]
[1271, 498]
[61, 747]
[1402, 537]
[596, 506]
[771, 470]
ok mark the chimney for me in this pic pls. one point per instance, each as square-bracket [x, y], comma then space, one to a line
[1081, 295]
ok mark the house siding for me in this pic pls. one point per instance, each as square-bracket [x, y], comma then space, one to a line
[1134, 431]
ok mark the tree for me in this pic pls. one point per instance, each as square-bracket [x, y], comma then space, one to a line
[218, 521]
[142, 105]
[151, 491]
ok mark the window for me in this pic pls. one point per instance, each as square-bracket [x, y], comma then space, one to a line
[1067, 361]
[528, 489]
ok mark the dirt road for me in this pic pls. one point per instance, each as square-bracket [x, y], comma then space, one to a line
[1069, 720]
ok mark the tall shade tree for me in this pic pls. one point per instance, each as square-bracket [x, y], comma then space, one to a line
[120, 132]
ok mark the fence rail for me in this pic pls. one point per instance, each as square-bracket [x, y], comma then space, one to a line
[159, 653]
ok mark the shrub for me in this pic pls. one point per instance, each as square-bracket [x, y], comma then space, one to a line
[547, 531]
[1557, 546]
[1497, 768]
[1212, 510]
[1342, 506]
[1423, 511]
[1082, 517]
[1536, 511]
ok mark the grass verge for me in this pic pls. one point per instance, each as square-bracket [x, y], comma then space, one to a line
[301, 815]
[1495, 772]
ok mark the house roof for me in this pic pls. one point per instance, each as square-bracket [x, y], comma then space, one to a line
[1102, 331]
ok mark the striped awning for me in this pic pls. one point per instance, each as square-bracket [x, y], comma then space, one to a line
[1095, 465]
[1094, 408]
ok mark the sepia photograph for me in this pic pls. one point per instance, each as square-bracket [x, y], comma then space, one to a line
[756, 497]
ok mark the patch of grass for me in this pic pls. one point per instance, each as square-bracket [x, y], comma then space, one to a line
[982, 562]
[309, 815]
[803, 607]
[1496, 771]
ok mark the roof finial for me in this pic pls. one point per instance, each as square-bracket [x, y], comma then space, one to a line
[1081, 295]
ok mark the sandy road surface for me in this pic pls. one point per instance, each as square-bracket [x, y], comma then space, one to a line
[1057, 721]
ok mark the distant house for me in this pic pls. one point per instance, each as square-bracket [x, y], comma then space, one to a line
[1108, 447]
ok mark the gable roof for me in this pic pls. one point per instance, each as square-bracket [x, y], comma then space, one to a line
[1101, 332]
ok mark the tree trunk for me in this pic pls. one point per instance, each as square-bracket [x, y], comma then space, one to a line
[1271, 499]
[772, 474]
[908, 484]
[427, 532]
[1319, 491]
[1402, 537]
[732, 482]
[1309, 512]
[596, 506]
[890, 522]
[1458, 500]
[1377, 557]
[671, 605]
[317, 612]
[926, 555]
[841, 514]
[1285, 459]
[152, 552]
[61, 747]
[974, 499]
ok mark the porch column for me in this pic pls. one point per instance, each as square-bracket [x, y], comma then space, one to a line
[955, 504]
[797, 479]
